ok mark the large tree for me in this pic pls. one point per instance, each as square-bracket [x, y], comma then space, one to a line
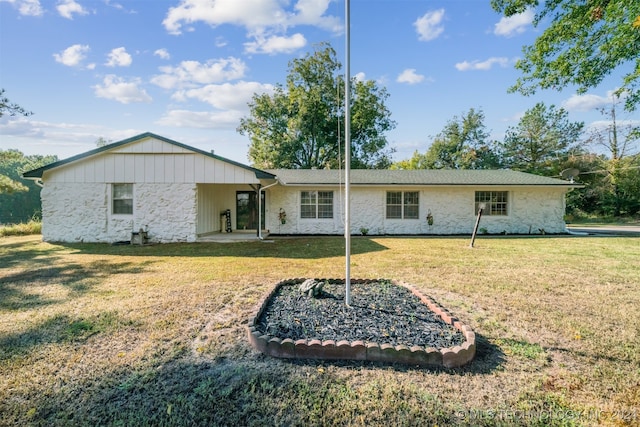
[543, 138]
[301, 126]
[8, 185]
[582, 44]
[463, 143]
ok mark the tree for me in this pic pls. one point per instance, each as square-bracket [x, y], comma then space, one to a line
[462, 144]
[8, 185]
[16, 207]
[620, 140]
[584, 42]
[8, 107]
[101, 142]
[301, 127]
[417, 161]
[543, 138]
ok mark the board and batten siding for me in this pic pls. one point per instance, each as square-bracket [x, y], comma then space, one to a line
[138, 162]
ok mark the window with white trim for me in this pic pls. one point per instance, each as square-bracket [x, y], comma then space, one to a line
[496, 203]
[122, 199]
[403, 205]
[316, 204]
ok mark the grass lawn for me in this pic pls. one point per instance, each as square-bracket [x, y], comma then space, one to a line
[126, 335]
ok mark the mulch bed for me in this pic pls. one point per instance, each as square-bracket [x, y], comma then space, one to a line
[380, 312]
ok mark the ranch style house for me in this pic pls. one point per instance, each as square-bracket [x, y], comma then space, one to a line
[165, 191]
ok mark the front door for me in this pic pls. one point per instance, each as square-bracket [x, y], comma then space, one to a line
[247, 210]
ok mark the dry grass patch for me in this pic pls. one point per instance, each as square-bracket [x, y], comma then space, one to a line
[154, 335]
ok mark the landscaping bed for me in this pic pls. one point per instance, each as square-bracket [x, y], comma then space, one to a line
[385, 321]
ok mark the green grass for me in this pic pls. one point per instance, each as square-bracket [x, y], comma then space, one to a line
[96, 334]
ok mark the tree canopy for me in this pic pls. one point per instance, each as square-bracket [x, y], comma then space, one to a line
[543, 136]
[584, 42]
[8, 185]
[20, 206]
[463, 143]
[300, 126]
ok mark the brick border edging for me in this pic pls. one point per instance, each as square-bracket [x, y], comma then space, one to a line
[451, 357]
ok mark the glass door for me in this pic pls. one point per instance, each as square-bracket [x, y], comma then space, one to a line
[247, 210]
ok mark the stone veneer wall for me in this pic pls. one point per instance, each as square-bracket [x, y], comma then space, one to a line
[530, 210]
[81, 212]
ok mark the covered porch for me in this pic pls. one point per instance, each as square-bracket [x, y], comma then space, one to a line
[229, 212]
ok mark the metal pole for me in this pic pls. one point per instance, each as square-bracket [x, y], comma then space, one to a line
[347, 156]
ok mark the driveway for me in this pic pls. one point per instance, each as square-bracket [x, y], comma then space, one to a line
[606, 230]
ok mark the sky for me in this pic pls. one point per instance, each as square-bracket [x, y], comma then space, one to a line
[186, 69]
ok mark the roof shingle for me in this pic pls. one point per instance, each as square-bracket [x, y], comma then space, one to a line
[365, 177]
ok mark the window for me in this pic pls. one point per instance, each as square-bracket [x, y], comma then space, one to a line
[495, 202]
[316, 204]
[402, 205]
[122, 195]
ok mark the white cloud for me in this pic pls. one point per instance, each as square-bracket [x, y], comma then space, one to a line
[586, 102]
[360, 77]
[66, 9]
[226, 96]
[114, 5]
[429, 26]
[72, 56]
[482, 65]
[256, 16]
[276, 44]
[120, 90]
[59, 137]
[515, 24]
[162, 53]
[27, 7]
[312, 12]
[230, 102]
[202, 119]
[410, 76]
[194, 72]
[119, 57]
[252, 14]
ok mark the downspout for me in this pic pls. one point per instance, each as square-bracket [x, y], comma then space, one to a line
[260, 207]
[574, 233]
[36, 181]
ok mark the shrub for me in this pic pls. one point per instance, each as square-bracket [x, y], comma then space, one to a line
[23, 229]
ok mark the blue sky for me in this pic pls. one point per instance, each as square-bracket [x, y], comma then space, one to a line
[186, 69]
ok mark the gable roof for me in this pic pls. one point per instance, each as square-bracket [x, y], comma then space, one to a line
[429, 177]
[37, 173]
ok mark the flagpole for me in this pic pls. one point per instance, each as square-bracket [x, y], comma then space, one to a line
[347, 156]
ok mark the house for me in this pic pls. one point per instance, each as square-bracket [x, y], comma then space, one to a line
[175, 193]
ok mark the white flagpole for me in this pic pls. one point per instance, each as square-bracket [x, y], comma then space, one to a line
[347, 156]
